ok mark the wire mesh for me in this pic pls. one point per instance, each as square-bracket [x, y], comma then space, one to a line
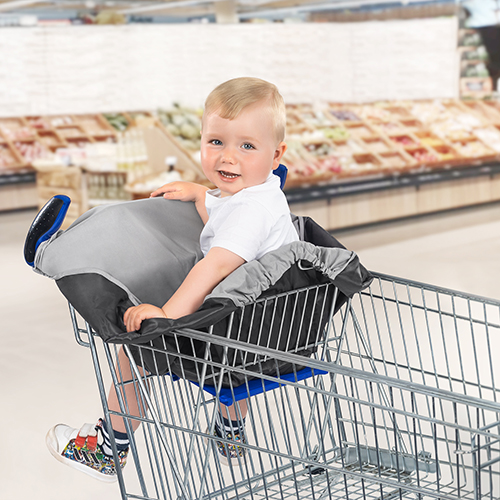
[403, 401]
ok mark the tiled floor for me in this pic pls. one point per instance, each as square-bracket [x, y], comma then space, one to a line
[47, 378]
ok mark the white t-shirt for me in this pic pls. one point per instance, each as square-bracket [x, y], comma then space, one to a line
[250, 223]
[482, 13]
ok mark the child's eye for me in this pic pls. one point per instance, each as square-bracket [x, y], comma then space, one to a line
[247, 145]
[216, 142]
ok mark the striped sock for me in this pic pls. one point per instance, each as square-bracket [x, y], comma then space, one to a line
[225, 427]
[121, 439]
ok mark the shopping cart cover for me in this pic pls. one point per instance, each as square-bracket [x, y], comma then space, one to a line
[145, 247]
[120, 255]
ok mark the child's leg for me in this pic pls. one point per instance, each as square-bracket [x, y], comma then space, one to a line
[83, 449]
[128, 393]
[230, 424]
[237, 411]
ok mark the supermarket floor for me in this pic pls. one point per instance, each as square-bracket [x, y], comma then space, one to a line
[47, 378]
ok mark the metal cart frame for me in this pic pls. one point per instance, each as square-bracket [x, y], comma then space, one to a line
[399, 400]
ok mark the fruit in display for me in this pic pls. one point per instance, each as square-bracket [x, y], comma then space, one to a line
[391, 127]
[59, 121]
[345, 115]
[39, 123]
[491, 136]
[423, 156]
[6, 157]
[189, 131]
[184, 124]
[17, 133]
[375, 113]
[336, 133]
[319, 148]
[314, 117]
[446, 156]
[330, 164]
[32, 151]
[473, 149]
[404, 140]
[117, 121]
[431, 141]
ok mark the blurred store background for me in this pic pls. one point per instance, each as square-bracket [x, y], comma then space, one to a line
[96, 95]
[393, 134]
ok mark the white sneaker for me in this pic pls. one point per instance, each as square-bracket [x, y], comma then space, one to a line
[79, 449]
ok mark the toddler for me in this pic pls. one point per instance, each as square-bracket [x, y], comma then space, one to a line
[246, 216]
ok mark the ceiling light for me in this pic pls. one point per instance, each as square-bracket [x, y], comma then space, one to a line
[18, 3]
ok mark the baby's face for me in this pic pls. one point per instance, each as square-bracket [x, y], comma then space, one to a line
[239, 153]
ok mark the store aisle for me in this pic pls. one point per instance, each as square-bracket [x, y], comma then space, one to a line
[47, 378]
[457, 250]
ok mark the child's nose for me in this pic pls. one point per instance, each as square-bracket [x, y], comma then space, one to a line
[228, 156]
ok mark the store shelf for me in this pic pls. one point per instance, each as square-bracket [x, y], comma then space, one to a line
[349, 164]
[18, 190]
[385, 182]
[21, 177]
[368, 201]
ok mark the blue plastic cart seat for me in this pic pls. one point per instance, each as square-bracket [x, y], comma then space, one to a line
[281, 172]
[227, 396]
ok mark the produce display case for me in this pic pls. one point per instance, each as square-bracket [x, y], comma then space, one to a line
[9, 157]
[129, 169]
[338, 141]
[389, 160]
[335, 150]
[326, 143]
[352, 164]
[26, 139]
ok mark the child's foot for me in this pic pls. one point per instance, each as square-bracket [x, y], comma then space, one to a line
[231, 453]
[81, 450]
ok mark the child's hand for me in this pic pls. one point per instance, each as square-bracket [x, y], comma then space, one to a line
[180, 190]
[185, 191]
[134, 316]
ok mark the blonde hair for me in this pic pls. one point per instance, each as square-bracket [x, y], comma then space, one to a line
[230, 98]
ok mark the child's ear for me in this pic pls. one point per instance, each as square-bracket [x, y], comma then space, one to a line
[278, 154]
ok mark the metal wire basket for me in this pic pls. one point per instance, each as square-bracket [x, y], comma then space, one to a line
[397, 398]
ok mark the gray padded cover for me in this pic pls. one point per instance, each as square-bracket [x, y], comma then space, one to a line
[118, 255]
[147, 247]
[115, 256]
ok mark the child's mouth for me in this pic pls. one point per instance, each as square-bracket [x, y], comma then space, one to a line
[228, 175]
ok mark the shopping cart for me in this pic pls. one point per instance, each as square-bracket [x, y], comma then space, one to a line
[398, 400]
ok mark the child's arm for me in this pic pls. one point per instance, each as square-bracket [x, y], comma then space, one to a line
[185, 191]
[200, 281]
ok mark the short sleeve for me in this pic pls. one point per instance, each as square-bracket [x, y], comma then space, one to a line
[245, 230]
